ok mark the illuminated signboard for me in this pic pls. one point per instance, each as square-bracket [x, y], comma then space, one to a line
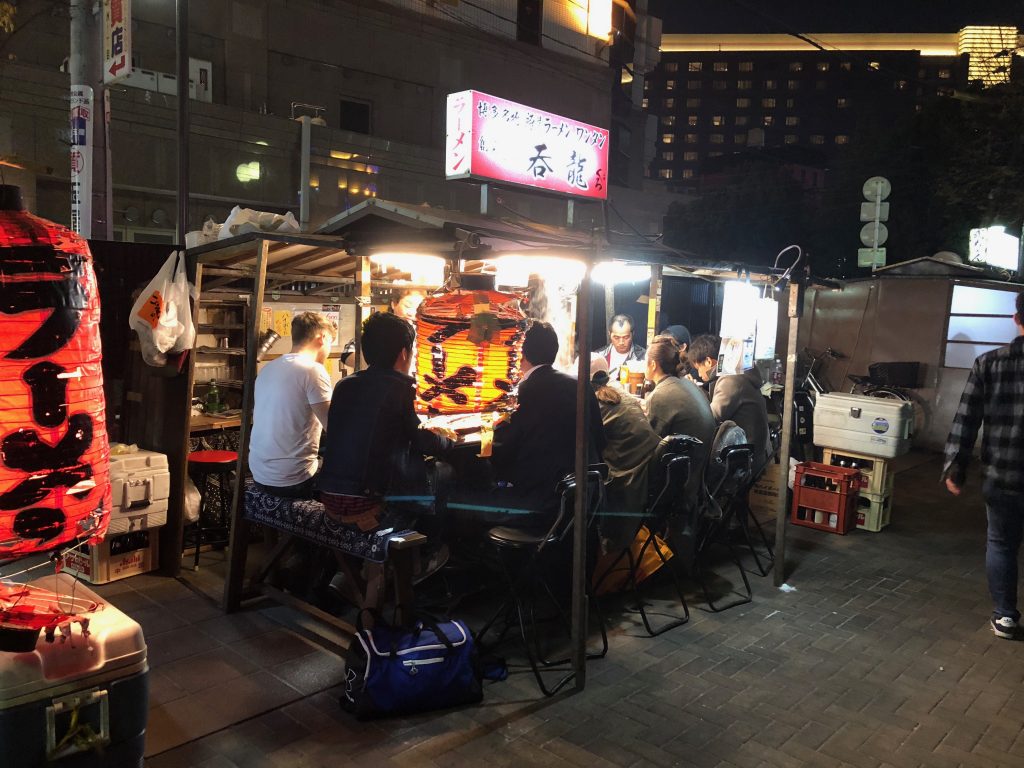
[995, 247]
[492, 139]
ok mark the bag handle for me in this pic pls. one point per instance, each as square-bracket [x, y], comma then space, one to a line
[430, 622]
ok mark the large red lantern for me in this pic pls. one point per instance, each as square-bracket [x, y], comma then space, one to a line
[468, 347]
[54, 455]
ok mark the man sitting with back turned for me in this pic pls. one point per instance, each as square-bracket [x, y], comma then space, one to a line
[293, 395]
[537, 447]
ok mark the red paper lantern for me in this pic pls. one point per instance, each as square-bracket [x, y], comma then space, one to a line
[468, 346]
[54, 456]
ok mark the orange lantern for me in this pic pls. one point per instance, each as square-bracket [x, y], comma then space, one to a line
[468, 346]
[54, 456]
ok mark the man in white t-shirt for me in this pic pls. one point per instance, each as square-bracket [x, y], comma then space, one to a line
[293, 397]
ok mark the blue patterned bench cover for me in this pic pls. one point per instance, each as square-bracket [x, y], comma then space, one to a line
[306, 519]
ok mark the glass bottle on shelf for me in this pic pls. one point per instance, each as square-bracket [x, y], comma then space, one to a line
[213, 404]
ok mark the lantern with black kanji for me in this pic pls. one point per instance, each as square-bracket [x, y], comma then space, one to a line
[468, 347]
[54, 456]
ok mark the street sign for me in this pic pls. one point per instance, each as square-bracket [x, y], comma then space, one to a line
[872, 237]
[877, 188]
[867, 211]
[81, 159]
[117, 40]
[871, 257]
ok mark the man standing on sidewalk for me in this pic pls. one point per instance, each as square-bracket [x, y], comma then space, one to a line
[994, 398]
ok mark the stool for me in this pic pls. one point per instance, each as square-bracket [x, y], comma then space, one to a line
[206, 465]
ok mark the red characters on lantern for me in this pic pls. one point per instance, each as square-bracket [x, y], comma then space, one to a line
[54, 456]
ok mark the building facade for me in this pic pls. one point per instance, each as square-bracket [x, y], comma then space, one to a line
[717, 95]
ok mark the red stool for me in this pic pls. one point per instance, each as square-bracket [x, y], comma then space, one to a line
[205, 465]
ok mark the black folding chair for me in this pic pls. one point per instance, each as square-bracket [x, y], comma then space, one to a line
[524, 556]
[728, 477]
[667, 510]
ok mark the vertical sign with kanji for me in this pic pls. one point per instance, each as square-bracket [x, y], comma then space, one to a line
[117, 40]
[81, 159]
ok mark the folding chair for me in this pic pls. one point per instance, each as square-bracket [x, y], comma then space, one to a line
[524, 556]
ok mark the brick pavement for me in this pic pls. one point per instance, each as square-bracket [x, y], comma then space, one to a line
[882, 657]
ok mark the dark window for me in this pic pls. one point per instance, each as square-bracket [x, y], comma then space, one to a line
[529, 21]
[355, 116]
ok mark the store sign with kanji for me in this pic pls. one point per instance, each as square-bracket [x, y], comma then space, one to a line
[493, 139]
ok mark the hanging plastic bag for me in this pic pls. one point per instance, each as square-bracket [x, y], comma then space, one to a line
[162, 315]
[192, 501]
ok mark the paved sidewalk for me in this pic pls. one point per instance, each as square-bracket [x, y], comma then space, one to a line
[881, 657]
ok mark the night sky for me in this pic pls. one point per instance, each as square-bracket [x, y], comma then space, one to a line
[709, 16]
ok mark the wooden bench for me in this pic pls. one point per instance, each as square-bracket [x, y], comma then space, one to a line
[389, 553]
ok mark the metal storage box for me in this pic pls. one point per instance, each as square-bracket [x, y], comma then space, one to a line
[100, 681]
[871, 425]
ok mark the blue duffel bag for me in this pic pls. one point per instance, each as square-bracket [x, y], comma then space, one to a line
[402, 670]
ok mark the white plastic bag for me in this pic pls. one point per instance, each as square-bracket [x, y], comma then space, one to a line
[162, 315]
[242, 220]
[192, 501]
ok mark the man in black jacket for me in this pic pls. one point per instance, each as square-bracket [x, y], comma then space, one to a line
[537, 447]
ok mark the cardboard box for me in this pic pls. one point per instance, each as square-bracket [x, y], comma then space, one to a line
[765, 493]
[116, 557]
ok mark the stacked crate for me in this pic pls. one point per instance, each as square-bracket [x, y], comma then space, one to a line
[874, 506]
[825, 497]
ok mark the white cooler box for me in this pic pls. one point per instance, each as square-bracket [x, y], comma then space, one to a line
[140, 484]
[102, 680]
[871, 425]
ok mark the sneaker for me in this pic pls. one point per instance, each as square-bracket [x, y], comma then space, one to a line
[1007, 628]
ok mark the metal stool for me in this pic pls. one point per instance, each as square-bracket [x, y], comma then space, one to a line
[206, 465]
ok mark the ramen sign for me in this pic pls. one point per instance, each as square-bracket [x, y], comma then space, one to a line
[492, 139]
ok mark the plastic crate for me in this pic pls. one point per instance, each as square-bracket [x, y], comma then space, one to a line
[825, 497]
[874, 512]
[876, 475]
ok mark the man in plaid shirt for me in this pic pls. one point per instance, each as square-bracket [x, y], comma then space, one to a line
[994, 398]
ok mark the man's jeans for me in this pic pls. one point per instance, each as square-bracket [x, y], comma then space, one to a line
[1005, 527]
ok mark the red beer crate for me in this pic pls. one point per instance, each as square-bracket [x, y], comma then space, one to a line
[825, 497]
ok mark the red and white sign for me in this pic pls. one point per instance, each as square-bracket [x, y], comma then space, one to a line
[493, 139]
[117, 40]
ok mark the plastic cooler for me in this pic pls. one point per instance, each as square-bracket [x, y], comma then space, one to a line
[98, 683]
[824, 497]
[870, 425]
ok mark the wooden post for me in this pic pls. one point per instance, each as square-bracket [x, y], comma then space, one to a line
[579, 527]
[364, 297]
[653, 303]
[238, 544]
[781, 507]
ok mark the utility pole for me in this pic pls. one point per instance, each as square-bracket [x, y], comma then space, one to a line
[181, 45]
[87, 125]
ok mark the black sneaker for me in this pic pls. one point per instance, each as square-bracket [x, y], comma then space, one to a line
[1007, 628]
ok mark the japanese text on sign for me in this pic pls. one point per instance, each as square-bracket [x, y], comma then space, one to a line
[117, 40]
[493, 139]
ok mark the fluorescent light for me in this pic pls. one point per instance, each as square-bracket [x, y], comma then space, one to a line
[423, 268]
[515, 271]
[993, 246]
[246, 172]
[613, 272]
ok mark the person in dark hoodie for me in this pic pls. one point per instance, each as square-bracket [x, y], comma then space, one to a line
[735, 397]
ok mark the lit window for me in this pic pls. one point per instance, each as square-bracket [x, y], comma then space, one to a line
[717, 120]
[671, 66]
[719, 85]
[793, 85]
[846, 66]
[645, 103]
[665, 173]
[694, 66]
[691, 138]
[668, 120]
[714, 154]
[742, 119]
[742, 103]
[744, 85]
[693, 85]
[721, 66]
[900, 85]
[817, 138]
[770, 85]
[687, 173]
[823, 66]
[746, 66]
[790, 138]
[841, 139]
[691, 120]
[692, 103]
[668, 157]
[874, 65]
[668, 103]
[670, 85]
[668, 138]
[944, 91]
[739, 138]
[790, 103]
[842, 102]
[796, 66]
[691, 157]
[792, 120]
[768, 120]
[647, 85]
[717, 138]
[768, 103]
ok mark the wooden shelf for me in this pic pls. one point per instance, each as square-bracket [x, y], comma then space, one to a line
[230, 351]
[222, 326]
